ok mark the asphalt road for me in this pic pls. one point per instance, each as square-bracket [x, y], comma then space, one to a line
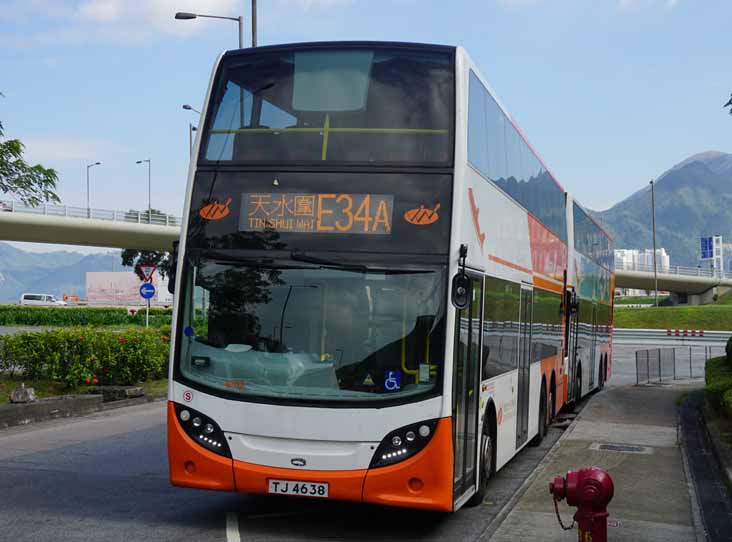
[104, 477]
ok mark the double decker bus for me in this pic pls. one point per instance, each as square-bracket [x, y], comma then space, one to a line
[373, 297]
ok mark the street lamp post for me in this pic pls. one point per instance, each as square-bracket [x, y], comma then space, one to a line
[149, 198]
[88, 206]
[184, 16]
[191, 128]
[653, 219]
[254, 28]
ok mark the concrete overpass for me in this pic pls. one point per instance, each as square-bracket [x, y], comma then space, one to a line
[131, 229]
[696, 285]
[64, 224]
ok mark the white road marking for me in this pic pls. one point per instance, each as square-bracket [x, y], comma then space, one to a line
[232, 528]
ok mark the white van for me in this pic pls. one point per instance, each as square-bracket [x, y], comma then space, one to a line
[45, 300]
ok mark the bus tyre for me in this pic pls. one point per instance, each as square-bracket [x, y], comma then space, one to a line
[601, 376]
[541, 431]
[487, 464]
[578, 386]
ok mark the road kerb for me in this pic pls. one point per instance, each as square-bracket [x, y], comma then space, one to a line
[503, 513]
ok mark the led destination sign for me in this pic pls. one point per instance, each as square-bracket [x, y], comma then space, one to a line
[369, 214]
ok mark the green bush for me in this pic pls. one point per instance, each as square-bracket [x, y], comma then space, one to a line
[84, 355]
[80, 316]
[718, 378]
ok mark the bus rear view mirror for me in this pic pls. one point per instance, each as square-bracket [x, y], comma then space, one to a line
[173, 267]
[460, 290]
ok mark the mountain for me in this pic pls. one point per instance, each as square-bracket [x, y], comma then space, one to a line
[55, 273]
[693, 198]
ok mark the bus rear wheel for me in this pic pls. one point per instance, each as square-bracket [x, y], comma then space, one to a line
[487, 464]
[541, 430]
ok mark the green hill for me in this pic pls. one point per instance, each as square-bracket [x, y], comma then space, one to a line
[693, 198]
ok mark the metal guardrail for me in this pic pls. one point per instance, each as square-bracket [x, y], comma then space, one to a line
[48, 209]
[661, 336]
[673, 270]
[666, 364]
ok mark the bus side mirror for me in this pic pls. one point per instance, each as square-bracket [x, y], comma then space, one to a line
[173, 267]
[461, 290]
[461, 283]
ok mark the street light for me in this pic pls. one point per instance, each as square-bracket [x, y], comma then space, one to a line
[149, 199]
[191, 129]
[184, 16]
[653, 218]
[88, 206]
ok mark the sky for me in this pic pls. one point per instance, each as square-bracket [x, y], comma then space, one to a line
[610, 92]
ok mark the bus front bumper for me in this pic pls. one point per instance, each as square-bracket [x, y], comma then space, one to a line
[422, 481]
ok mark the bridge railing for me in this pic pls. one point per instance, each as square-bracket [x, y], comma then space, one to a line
[672, 270]
[49, 209]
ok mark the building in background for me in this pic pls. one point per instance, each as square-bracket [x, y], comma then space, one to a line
[712, 254]
[640, 260]
[727, 256]
[123, 288]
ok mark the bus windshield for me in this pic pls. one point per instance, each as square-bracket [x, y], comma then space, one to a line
[345, 105]
[313, 330]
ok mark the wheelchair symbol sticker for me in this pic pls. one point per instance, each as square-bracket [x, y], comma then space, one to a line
[393, 381]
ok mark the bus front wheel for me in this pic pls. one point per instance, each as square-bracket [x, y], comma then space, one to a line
[487, 463]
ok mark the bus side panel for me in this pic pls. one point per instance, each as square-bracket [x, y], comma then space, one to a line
[503, 392]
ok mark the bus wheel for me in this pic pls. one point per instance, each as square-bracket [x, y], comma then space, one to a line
[487, 464]
[601, 376]
[541, 431]
[578, 385]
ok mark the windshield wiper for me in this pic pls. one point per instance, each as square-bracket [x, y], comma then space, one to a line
[303, 257]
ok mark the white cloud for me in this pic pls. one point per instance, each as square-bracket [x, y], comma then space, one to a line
[633, 4]
[318, 4]
[50, 151]
[519, 3]
[139, 19]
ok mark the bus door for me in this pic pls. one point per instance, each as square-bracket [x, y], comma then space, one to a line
[466, 390]
[593, 344]
[572, 333]
[524, 362]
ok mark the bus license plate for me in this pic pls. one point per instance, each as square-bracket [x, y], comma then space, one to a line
[295, 487]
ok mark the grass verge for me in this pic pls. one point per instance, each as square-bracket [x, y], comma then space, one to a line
[50, 388]
[707, 317]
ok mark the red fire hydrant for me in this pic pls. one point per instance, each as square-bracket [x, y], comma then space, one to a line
[589, 489]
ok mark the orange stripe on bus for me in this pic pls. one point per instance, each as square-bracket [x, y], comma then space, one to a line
[512, 265]
[547, 284]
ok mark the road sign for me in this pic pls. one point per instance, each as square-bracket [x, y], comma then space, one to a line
[707, 248]
[147, 271]
[147, 290]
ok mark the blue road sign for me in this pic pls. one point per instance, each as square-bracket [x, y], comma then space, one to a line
[707, 248]
[147, 290]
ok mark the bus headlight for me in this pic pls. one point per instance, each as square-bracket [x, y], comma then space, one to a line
[203, 430]
[403, 443]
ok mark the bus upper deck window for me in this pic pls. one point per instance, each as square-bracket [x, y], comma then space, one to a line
[331, 80]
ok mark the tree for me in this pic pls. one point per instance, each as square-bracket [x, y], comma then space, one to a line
[31, 184]
[137, 258]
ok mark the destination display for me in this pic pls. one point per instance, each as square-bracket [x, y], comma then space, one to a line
[367, 214]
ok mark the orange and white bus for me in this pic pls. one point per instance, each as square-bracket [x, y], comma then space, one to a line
[373, 294]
